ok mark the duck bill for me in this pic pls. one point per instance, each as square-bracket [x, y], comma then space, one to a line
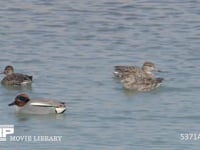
[11, 104]
[159, 70]
[162, 71]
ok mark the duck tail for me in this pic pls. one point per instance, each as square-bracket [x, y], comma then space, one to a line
[31, 78]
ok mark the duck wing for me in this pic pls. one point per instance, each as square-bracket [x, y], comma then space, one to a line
[17, 79]
[125, 71]
[47, 103]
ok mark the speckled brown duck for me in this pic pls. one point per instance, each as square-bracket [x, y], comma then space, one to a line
[15, 79]
[141, 84]
[146, 71]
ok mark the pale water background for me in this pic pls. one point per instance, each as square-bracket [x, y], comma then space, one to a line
[70, 48]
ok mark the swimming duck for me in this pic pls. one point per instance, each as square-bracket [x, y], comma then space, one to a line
[13, 78]
[40, 106]
[146, 71]
[141, 84]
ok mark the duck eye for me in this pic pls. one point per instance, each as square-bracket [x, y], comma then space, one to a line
[24, 99]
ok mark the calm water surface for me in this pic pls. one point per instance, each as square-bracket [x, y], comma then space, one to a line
[70, 48]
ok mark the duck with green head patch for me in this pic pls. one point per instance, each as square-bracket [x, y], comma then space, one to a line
[39, 106]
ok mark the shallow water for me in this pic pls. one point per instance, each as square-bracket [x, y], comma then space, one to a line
[70, 48]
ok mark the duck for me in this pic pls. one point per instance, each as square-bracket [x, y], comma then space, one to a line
[146, 71]
[24, 105]
[141, 84]
[15, 79]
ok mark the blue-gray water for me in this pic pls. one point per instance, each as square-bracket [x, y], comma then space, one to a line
[70, 48]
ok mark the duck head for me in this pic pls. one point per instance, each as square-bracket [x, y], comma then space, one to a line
[8, 70]
[149, 67]
[20, 100]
